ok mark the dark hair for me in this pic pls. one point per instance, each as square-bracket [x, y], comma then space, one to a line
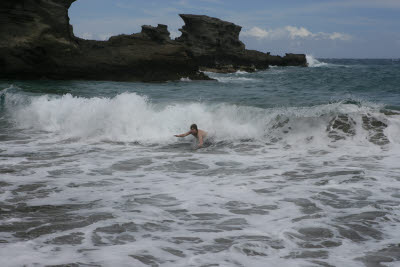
[193, 126]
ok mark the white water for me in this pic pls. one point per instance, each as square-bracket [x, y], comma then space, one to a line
[266, 192]
[129, 117]
[236, 77]
[314, 63]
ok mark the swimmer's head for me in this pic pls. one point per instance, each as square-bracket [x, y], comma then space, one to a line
[193, 128]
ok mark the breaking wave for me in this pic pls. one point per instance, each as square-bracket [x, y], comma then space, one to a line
[313, 62]
[134, 118]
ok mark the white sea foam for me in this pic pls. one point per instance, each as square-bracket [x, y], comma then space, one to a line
[129, 117]
[241, 72]
[236, 77]
[233, 79]
[314, 63]
[134, 118]
[273, 187]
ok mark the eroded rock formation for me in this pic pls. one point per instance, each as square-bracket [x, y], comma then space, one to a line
[215, 46]
[206, 36]
[37, 41]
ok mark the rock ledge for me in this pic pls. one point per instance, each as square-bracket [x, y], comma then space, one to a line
[37, 41]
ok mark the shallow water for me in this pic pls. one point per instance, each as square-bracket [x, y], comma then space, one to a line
[303, 170]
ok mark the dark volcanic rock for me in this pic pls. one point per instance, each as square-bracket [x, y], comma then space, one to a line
[24, 20]
[29, 31]
[37, 41]
[215, 45]
[206, 36]
[158, 34]
[133, 58]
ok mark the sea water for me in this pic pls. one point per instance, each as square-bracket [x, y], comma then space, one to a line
[303, 169]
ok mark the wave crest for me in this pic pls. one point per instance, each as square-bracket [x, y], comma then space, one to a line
[133, 118]
[314, 63]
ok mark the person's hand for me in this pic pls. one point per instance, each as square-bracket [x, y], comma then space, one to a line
[176, 135]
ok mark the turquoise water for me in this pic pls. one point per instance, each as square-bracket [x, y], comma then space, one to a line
[302, 169]
[334, 80]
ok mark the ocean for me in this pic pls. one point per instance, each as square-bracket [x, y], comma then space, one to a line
[302, 168]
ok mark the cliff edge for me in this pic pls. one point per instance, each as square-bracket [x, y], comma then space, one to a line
[37, 41]
[215, 46]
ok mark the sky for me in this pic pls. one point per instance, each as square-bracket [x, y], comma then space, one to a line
[321, 28]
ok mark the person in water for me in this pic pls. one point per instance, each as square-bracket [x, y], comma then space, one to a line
[199, 134]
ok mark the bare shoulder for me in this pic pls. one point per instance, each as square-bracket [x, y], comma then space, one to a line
[203, 133]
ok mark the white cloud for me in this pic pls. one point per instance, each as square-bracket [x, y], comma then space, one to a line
[293, 33]
[340, 36]
[257, 33]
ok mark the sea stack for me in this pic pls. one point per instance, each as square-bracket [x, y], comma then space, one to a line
[215, 46]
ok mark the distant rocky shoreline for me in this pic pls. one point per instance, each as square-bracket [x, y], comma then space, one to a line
[37, 42]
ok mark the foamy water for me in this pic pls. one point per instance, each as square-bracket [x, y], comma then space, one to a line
[101, 180]
[313, 62]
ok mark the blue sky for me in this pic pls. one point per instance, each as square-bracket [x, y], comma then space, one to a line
[323, 28]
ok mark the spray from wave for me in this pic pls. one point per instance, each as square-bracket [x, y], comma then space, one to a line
[314, 63]
[237, 77]
[129, 117]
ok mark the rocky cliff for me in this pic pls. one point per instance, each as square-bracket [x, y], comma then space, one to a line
[37, 41]
[215, 46]
[207, 36]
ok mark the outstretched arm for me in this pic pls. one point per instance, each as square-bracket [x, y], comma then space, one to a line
[182, 135]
